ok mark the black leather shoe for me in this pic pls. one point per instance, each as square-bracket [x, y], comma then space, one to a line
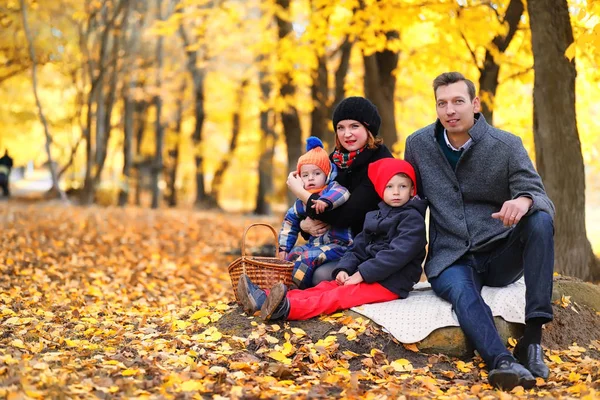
[532, 358]
[509, 374]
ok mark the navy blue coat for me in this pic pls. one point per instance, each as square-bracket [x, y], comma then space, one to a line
[391, 247]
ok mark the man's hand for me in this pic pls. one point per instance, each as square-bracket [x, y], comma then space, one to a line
[314, 227]
[319, 206]
[513, 210]
[341, 277]
[283, 255]
[355, 279]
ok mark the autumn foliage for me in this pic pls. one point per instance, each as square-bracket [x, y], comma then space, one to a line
[114, 303]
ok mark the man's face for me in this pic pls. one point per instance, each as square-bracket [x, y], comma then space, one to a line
[455, 109]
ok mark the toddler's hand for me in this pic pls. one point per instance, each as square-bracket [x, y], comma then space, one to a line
[283, 255]
[355, 279]
[341, 277]
[319, 206]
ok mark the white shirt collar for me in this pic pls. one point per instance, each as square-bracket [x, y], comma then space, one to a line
[463, 147]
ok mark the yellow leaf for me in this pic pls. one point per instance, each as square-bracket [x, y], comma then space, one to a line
[129, 372]
[200, 313]
[463, 367]
[278, 356]
[271, 339]
[401, 365]
[574, 377]
[298, 332]
[17, 343]
[411, 346]
[556, 359]
[215, 336]
[570, 53]
[287, 349]
[192, 386]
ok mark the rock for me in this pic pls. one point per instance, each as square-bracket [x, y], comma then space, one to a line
[579, 292]
[452, 342]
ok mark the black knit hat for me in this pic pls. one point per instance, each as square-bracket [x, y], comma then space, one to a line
[358, 109]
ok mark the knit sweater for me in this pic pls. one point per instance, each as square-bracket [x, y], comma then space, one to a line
[494, 169]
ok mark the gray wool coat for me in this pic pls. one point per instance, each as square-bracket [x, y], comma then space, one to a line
[494, 169]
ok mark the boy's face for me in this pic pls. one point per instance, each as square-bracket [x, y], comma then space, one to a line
[312, 176]
[397, 191]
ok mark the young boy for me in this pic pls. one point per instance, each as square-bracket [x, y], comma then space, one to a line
[317, 174]
[383, 265]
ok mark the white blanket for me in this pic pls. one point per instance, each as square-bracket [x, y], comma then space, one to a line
[414, 318]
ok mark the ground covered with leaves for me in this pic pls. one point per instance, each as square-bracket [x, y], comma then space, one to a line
[110, 303]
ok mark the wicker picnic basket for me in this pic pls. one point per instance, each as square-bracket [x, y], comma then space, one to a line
[263, 271]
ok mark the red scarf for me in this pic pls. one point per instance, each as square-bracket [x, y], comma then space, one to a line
[344, 160]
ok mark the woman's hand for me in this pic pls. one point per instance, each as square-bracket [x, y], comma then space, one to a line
[283, 255]
[355, 279]
[314, 227]
[341, 277]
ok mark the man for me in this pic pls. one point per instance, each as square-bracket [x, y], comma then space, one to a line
[491, 222]
[6, 164]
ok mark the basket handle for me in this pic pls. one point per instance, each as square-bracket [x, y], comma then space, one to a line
[260, 224]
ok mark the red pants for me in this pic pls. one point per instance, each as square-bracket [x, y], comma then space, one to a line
[328, 297]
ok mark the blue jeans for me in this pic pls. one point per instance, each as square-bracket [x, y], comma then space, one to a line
[528, 250]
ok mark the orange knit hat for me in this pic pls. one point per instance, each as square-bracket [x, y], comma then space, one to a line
[316, 155]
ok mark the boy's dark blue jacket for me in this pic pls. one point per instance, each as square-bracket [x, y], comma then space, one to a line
[391, 247]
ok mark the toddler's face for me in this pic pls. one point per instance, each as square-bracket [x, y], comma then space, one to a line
[397, 191]
[312, 176]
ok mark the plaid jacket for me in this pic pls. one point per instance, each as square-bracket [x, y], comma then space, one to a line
[334, 195]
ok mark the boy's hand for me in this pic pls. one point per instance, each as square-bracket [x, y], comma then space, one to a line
[341, 277]
[355, 279]
[294, 183]
[319, 206]
[283, 255]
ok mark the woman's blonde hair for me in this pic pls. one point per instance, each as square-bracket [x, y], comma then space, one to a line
[372, 141]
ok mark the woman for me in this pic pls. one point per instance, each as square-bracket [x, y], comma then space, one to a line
[356, 123]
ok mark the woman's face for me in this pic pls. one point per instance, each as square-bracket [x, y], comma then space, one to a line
[352, 134]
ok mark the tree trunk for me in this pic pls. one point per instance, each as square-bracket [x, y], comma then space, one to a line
[380, 86]
[198, 76]
[218, 178]
[267, 147]
[55, 184]
[140, 113]
[105, 126]
[287, 91]
[340, 74]
[130, 44]
[558, 148]
[157, 166]
[127, 149]
[174, 152]
[319, 117]
[488, 78]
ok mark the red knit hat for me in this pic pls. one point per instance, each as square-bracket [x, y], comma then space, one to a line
[381, 171]
[315, 154]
